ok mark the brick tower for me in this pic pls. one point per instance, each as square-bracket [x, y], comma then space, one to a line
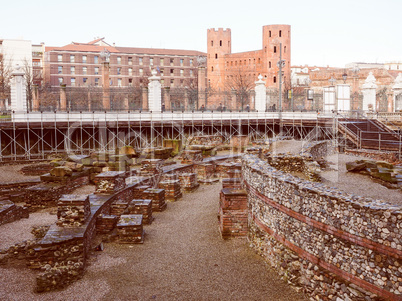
[272, 36]
[219, 43]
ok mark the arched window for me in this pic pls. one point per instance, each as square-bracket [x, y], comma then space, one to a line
[220, 43]
[212, 43]
[274, 49]
[212, 69]
[269, 33]
[274, 79]
[216, 55]
[269, 64]
[280, 33]
[284, 49]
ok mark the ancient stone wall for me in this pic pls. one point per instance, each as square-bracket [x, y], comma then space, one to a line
[47, 194]
[391, 157]
[10, 212]
[319, 149]
[295, 163]
[327, 242]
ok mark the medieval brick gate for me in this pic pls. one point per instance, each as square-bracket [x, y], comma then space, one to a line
[35, 135]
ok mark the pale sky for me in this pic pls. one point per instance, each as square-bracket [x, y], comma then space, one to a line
[323, 32]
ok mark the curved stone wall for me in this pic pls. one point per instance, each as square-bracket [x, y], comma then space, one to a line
[61, 255]
[329, 243]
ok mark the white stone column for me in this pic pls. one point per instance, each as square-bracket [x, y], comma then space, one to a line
[329, 98]
[369, 90]
[343, 97]
[397, 89]
[18, 91]
[260, 95]
[154, 93]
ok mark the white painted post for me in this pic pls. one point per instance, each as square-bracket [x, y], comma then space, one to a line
[18, 91]
[397, 89]
[343, 97]
[154, 93]
[260, 95]
[369, 89]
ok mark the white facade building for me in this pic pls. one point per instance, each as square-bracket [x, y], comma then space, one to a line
[16, 52]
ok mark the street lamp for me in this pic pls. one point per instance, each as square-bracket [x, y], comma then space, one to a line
[280, 64]
[332, 81]
[344, 76]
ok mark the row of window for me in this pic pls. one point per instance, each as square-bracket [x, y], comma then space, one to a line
[220, 43]
[84, 60]
[85, 81]
[119, 71]
[279, 33]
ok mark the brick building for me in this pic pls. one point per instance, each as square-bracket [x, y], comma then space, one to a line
[225, 67]
[80, 65]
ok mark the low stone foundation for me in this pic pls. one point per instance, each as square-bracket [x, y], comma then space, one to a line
[72, 210]
[188, 181]
[158, 198]
[105, 223]
[142, 207]
[47, 194]
[391, 157]
[129, 229]
[172, 189]
[10, 212]
[234, 183]
[233, 213]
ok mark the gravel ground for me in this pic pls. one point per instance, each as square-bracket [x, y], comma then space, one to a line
[86, 189]
[10, 173]
[20, 230]
[355, 183]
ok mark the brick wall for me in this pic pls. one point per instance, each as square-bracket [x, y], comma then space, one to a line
[322, 239]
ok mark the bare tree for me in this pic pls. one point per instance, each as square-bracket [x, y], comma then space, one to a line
[49, 97]
[241, 82]
[31, 78]
[5, 77]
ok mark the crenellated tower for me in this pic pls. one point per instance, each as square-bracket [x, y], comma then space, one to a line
[272, 37]
[219, 44]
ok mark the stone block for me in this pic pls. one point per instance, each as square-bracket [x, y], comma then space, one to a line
[128, 151]
[188, 181]
[143, 207]
[110, 182]
[234, 183]
[73, 210]
[129, 229]
[191, 156]
[355, 167]
[119, 207]
[233, 213]
[61, 171]
[158, 198]
[172, 189]
[105, 223]
[205, 170]
[139, 190]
